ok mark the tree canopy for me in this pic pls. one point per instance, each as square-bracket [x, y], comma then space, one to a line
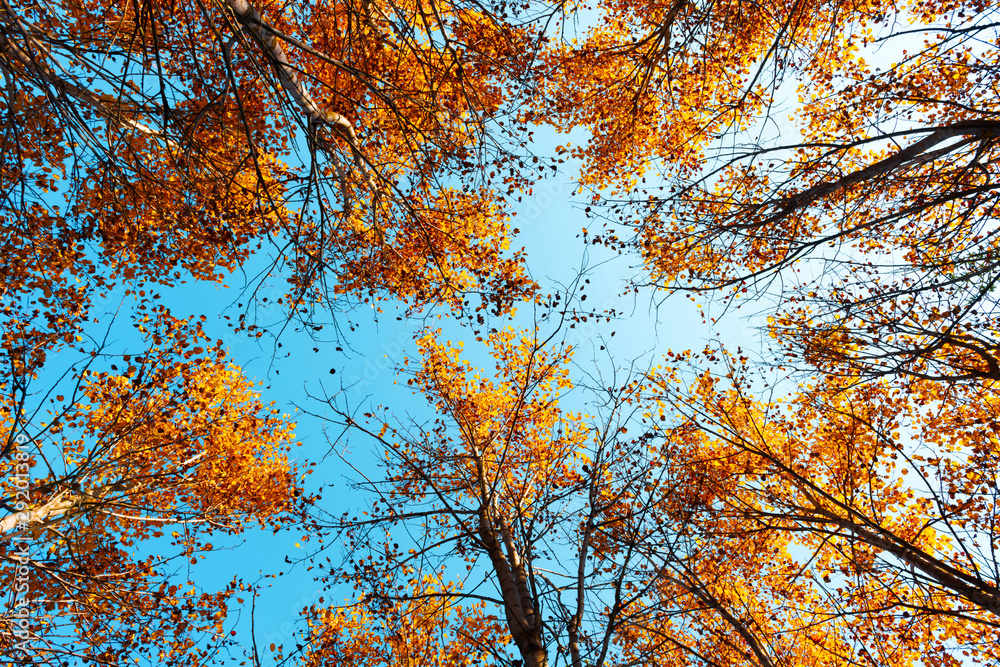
[826, 499]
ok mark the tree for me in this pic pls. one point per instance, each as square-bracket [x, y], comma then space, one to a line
[891, 491]
[487, 490]
[872, 214]
[155, 458]
[151, 143]
[505, 486]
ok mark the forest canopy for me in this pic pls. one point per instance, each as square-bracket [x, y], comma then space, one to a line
[522, 489]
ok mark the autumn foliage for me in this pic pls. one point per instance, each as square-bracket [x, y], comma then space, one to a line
[828, 501]
[866, 206]
[883, 493]
[172, 448]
